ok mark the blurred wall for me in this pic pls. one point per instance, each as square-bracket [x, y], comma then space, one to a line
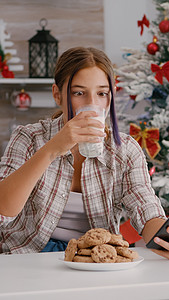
[105, 24]
[120, 26]
[72, 22]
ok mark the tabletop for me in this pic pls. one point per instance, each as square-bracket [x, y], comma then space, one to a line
[41, 276]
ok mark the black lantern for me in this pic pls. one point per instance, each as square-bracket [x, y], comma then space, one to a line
[43, 52]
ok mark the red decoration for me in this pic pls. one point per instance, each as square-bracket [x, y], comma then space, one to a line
[22, 101]
[116, 82]
[2, 63]
[152, 48]
[4, 68]
[152, 171]
[6, 73]
[147, 138]
[129, 233]
[133, 97]
[161, 71]
[164, 26]
[155, 40]
[145, 22]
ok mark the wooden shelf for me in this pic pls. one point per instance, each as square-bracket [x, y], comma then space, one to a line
[26, 80]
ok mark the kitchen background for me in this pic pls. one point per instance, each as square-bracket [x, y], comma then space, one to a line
[105, 24]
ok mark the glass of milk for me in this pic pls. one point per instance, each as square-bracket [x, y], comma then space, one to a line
[92, 149]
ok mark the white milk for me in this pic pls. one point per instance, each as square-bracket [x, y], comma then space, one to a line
[93, 149]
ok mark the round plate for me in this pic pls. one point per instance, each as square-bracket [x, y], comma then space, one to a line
[102, 266]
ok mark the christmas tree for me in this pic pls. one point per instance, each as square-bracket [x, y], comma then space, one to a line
[8, 60]
[145, 77]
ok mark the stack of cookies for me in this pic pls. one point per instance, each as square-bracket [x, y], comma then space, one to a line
[98, 245]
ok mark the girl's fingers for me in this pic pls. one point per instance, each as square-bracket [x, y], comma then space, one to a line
[162, 243]
[90, 123]
[90, 132]
[81, 130]
[87, 121]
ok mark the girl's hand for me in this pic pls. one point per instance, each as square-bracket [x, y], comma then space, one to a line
[164, 244]
[77, 130]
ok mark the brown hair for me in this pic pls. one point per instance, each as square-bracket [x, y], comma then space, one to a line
[75, 59]
[78, 58]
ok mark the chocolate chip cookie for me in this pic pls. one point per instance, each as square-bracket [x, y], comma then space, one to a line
[97, 236]
[71, 250]
[104, 254]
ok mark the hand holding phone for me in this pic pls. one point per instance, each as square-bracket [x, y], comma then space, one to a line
[162, 234]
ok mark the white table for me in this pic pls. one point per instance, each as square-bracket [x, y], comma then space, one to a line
[41, 276]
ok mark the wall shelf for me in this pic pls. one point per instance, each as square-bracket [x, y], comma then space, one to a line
[39, 89]
[26, 81]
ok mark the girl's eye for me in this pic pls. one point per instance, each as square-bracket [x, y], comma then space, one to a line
[103, 94]
[79, 93]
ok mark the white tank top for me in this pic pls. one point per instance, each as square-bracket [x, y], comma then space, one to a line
[73, 222]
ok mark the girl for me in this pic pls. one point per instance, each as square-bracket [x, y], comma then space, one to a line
[49, 192]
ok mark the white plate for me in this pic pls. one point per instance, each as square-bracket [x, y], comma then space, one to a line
[102, 266]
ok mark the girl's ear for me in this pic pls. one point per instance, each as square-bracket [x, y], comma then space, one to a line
[56, 94]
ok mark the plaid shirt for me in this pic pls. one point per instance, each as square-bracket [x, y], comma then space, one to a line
[117, 177]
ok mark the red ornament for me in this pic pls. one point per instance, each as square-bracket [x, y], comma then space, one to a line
[22, 101]
[133, 97]
[3, 65]
[6, 73]
[164, 26]
[116, 82]
[152, 171]
[5, 68]
[152, 48]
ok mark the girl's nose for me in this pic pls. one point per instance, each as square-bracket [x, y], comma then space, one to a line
[91, 99]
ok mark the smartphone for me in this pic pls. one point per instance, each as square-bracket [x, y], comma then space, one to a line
[162, 234]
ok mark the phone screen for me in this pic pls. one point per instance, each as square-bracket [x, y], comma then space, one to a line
[162, 234]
